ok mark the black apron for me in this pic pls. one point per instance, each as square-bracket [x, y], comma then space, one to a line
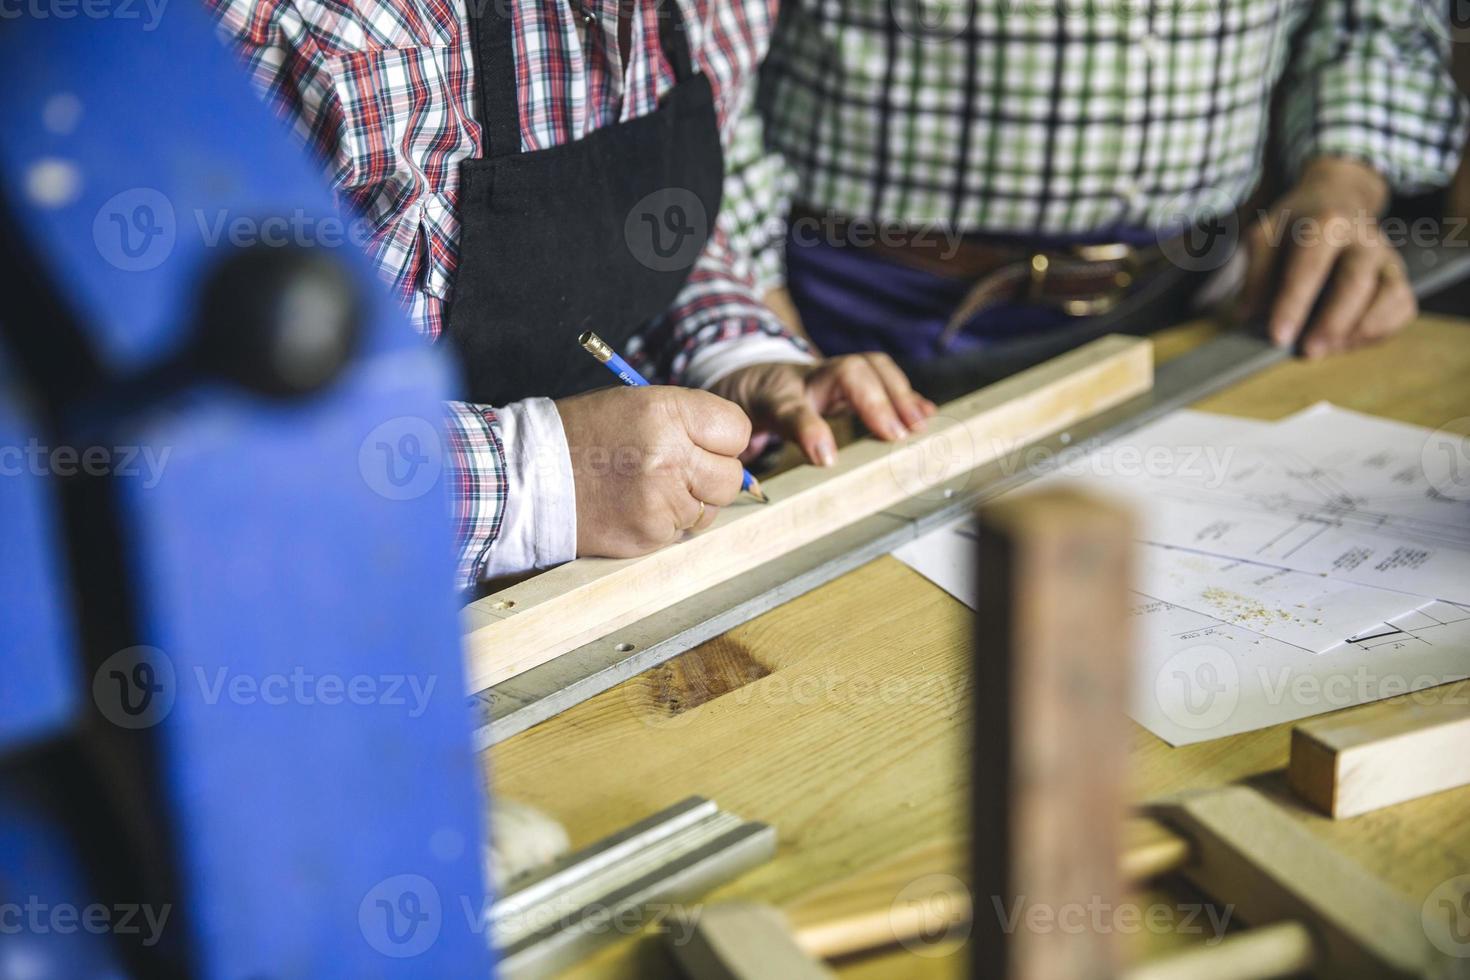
[597, 234]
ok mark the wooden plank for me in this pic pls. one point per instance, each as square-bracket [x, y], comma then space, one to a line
[1250, 853]
[1381, 754]
[1051, 675]
[543, 617]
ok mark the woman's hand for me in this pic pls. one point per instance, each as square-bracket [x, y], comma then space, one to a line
[789, 400]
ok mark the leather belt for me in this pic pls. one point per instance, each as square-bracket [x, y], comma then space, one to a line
[1077, 280]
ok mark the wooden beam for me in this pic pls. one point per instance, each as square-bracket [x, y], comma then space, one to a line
[1284, 949]
[1371, 757]
[543, 617]
[880, 906]
[1050, 730]
[1258, 858]
[1150, 850]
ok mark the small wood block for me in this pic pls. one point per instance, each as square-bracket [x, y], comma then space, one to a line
[1371, 757]
[559, 610]
[1258, 858]
[1051, 675]
[742, 941]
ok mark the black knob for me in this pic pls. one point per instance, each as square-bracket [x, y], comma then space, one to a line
[281, 320]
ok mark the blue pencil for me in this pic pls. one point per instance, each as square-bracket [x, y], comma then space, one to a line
[614, 362]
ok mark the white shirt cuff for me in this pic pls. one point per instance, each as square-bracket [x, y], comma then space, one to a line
[539, 527]
[711, 363]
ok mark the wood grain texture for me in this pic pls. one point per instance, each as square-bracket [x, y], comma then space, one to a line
[543, 617]
[1418, 377]
[854, 742]
[1378, 755]
[1052, 653]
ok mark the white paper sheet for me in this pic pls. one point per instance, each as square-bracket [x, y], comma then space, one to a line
[1302, 564]
[1196, 677]
[1327, 491]
[1313, 612]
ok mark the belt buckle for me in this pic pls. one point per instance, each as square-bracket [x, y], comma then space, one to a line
[1120, 252]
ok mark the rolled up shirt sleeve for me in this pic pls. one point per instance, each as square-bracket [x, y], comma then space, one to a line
[510, 489]
[718, 325]
[1371, 81]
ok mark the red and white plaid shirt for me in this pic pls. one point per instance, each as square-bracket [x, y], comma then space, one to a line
[382, 92]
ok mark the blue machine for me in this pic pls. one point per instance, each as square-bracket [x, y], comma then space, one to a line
[233, 737]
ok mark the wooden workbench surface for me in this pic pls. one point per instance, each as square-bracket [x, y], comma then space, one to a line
[840, 717]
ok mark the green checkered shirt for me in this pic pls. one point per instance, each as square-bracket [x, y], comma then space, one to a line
[1065, 117]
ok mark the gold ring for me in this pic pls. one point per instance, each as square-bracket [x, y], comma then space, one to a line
[1391, 271]
[700, 517]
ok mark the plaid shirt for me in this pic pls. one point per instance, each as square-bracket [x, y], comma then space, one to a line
[382, 92]
[1070, 117]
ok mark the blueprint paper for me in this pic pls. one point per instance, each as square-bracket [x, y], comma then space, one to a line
[1196, 677]
[1287, 570]
[1326, 491]
[1313, 612]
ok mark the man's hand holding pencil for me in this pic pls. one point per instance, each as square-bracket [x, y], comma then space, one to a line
[650, 463]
